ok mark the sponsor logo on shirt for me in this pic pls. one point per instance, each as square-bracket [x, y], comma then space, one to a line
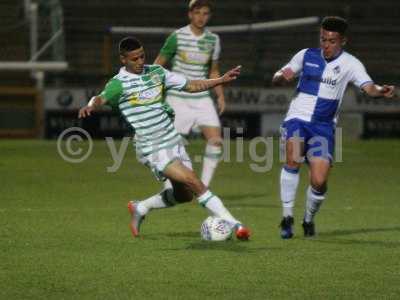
[198, 58]
[312, 65]
[150, 93]
[147, 96]
[326, 80]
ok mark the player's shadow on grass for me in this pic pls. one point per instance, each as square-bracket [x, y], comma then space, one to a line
[229, 246]
[324, 237]
[172, 235]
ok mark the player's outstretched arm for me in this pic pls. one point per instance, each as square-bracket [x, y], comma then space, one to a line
[194, 86]
[95, 102]
[374, 90]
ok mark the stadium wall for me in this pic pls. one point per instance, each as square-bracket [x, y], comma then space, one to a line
[259, 111]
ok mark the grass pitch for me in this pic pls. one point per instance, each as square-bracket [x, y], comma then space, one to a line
[64, 231]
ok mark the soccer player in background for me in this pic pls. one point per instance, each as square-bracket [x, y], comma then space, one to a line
[194, 52]
[309, 126]
[138, 92]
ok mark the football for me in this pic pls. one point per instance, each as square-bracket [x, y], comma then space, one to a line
[215, 229]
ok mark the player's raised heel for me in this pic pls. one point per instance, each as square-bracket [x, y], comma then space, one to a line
[136, 218]
[309, 229]
[287, 227]
[242, 232]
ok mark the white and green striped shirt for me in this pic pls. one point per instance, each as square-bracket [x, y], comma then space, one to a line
[191, 56]
[141, 100]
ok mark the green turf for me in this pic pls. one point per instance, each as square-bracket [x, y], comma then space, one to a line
[64, 231]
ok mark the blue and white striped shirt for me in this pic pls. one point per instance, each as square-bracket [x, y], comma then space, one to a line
[322, 84]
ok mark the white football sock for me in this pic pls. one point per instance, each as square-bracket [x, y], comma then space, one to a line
[314, 201]
[289, 183]
[162, 200]
[167, 184]
[210, 161]
[216, 207]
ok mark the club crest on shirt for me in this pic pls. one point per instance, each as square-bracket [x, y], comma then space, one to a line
[336, 70]
[155, 79]
[204, 45]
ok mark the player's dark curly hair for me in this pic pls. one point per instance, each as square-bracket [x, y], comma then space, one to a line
[335, 24]
[128, 44]
[199, 4]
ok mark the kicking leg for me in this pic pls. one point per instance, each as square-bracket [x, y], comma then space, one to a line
[179, 173]
[139, 210]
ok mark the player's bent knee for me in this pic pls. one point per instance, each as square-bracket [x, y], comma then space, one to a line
[181, 193]
[319, 184]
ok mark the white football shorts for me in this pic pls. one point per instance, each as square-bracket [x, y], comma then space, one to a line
[191, 113]
[158, 161]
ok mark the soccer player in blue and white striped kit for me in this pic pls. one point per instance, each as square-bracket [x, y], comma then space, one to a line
[309, 127]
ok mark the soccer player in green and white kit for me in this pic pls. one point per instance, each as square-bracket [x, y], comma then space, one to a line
[194, 52]
[138, 92]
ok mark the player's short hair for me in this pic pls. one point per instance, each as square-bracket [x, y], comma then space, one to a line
[128, 44]
[199, 4]
[335, 24]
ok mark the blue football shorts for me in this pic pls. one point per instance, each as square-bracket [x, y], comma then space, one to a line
[318, 138]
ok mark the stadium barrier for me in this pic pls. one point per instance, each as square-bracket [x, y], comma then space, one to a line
[259, 111]
[21, 112]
